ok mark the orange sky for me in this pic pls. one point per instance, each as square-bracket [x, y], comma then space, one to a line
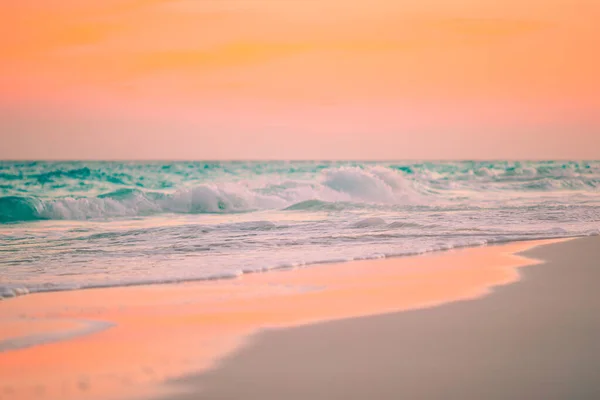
[300, 79]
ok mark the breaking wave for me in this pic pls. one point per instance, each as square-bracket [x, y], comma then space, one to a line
[330, 191]
[81, 191]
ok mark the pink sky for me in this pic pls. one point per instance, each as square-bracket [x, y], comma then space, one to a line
[288, 79]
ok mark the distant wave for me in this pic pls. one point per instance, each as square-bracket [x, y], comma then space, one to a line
[80, 191]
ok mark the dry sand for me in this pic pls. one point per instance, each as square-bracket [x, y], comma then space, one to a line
[538, 338]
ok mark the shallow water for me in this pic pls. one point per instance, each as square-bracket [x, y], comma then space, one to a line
[69, 225]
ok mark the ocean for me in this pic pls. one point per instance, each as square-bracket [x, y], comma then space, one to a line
[75, 225]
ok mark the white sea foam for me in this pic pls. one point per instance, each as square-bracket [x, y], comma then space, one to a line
[112, 224]
[375, 185]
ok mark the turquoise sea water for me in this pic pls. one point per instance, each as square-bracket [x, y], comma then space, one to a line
[66, 225]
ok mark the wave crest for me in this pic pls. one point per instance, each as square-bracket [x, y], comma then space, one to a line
[334, 190]
[376, 184]
[38, 191]
[17, 208]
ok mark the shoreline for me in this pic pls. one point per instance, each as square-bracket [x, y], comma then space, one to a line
[535, 338]
[23, 291]
[169, 331]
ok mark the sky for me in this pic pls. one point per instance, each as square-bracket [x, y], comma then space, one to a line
[299, 79]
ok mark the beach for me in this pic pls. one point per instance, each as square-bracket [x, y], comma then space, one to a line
[534, 339]
[365, 328]
[299, 200]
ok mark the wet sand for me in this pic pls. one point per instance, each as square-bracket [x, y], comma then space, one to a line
[126, 342]
[538, 338]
